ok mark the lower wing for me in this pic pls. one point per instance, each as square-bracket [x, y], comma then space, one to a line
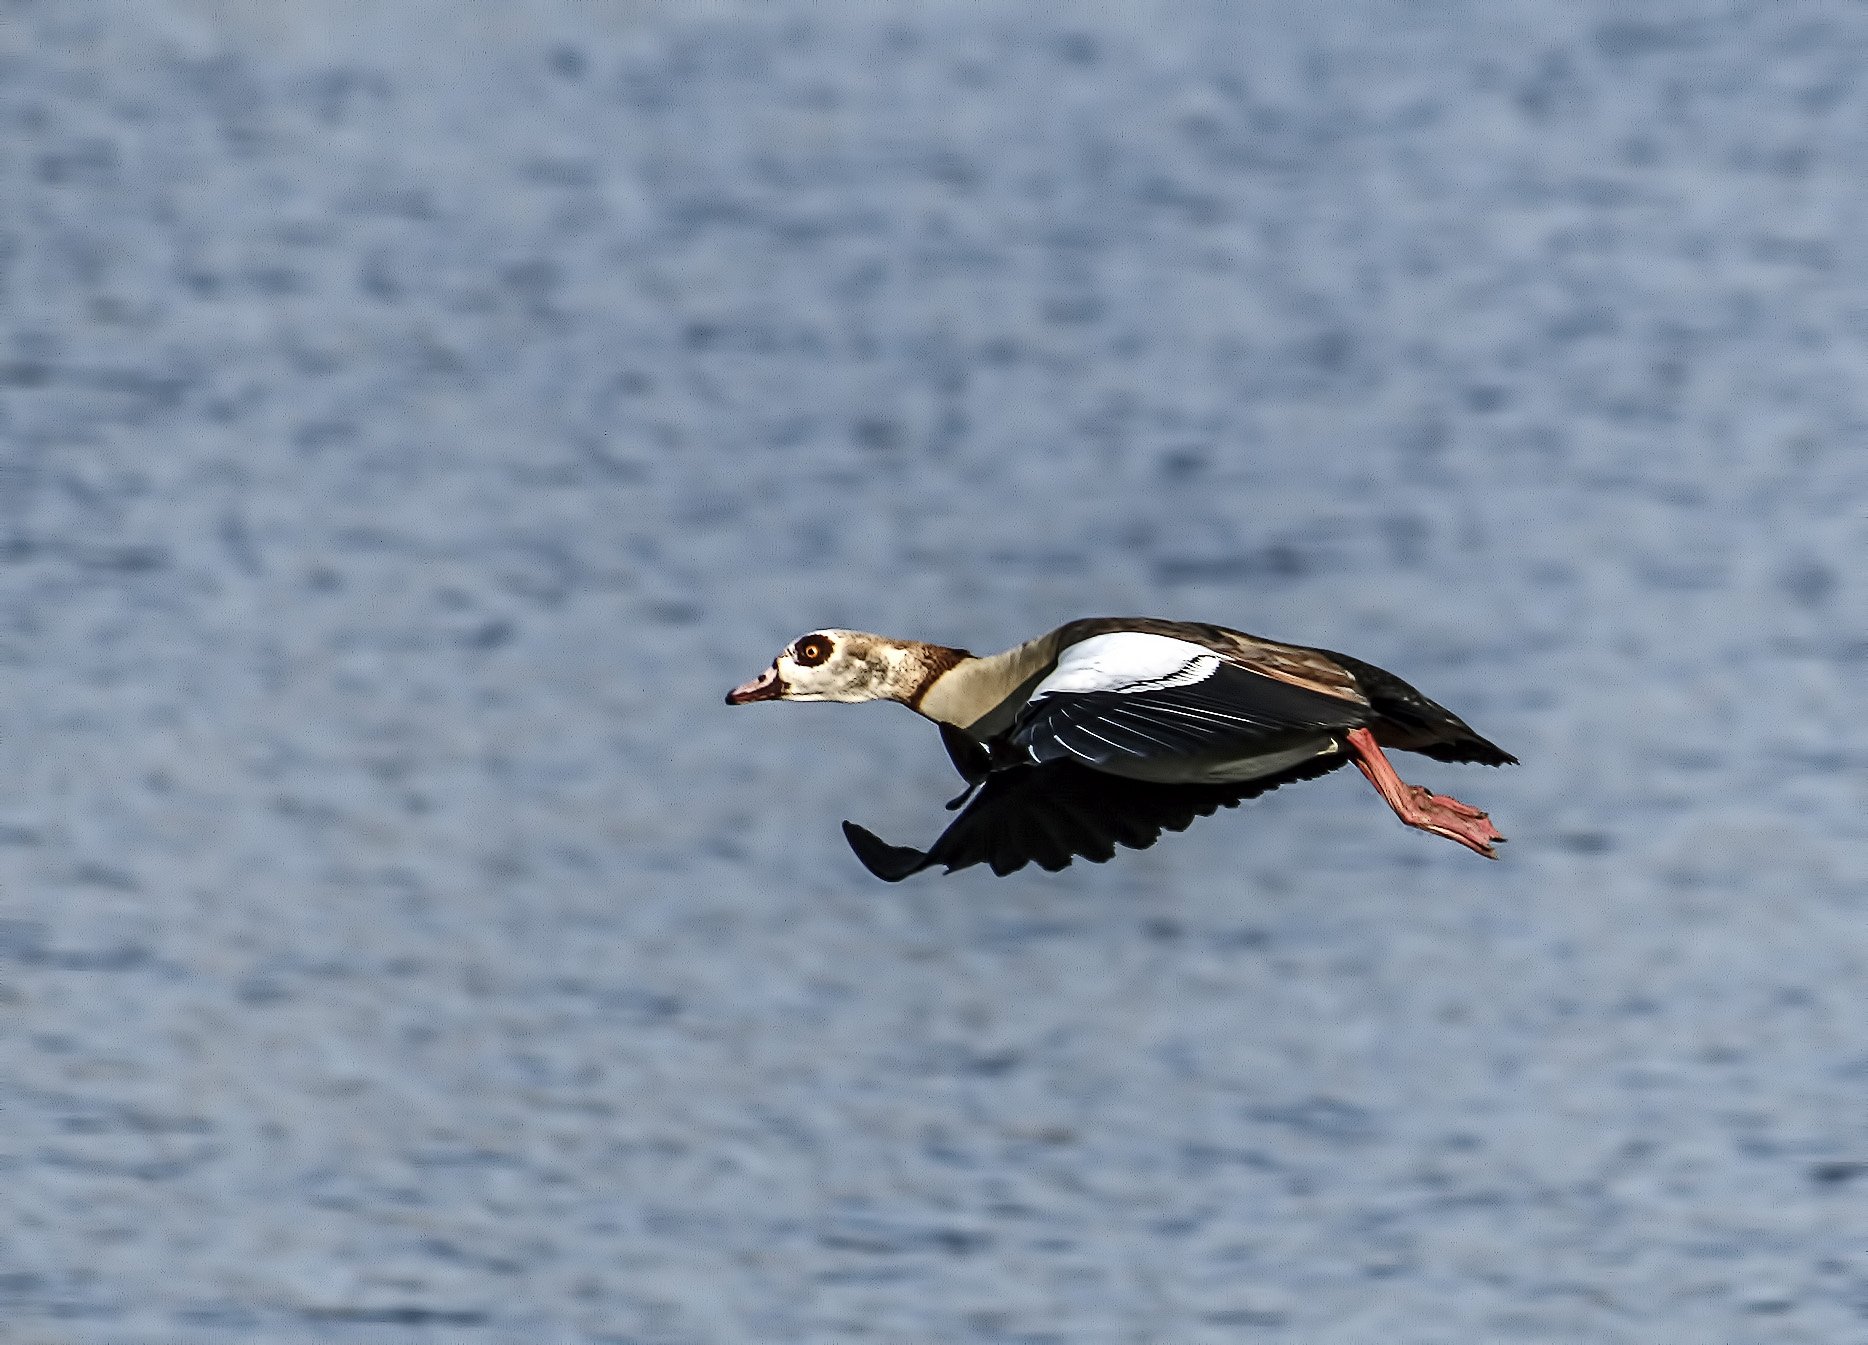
[1053, 813]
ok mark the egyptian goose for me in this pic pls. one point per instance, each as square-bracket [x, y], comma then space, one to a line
[1107, 731]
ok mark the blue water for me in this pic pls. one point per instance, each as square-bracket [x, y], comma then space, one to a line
[414, 416]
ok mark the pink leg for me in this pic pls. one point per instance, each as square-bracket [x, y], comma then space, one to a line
[1416, 806]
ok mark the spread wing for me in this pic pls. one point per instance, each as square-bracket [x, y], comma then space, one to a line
[1053, 813]
[1118, 700]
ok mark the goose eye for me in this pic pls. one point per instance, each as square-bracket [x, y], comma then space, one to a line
[812, 652]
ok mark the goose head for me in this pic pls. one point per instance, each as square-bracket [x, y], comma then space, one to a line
[848, 666]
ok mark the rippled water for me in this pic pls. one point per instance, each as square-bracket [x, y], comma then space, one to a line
[414, 417]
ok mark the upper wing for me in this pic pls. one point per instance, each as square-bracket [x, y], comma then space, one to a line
[1133, 697]
[1318, 669]
[1052, 814]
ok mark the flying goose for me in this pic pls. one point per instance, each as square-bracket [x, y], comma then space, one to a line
[1107, 731]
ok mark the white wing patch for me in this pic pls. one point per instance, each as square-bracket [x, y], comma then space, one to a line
[1128, 661]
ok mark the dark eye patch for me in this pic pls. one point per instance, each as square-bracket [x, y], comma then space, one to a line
[812, 650]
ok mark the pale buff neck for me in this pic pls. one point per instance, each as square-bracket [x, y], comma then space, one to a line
[979, 695]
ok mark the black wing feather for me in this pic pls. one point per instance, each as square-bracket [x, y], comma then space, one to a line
[971, 757]
[1232, 709]
[1051, 814]
[891, 863]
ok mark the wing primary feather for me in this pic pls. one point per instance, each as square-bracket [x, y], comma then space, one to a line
[1070, 737]
[1088, 837]
[1210, 714]
[1085, 728]
[1132, 721]
[1062, 847]
[1050, 814]
[891, 863]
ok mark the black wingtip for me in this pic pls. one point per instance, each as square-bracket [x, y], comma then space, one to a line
[890, 863]
[1469, 751]
[1485, 752]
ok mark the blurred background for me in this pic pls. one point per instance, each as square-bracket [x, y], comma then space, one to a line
[414, 416]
